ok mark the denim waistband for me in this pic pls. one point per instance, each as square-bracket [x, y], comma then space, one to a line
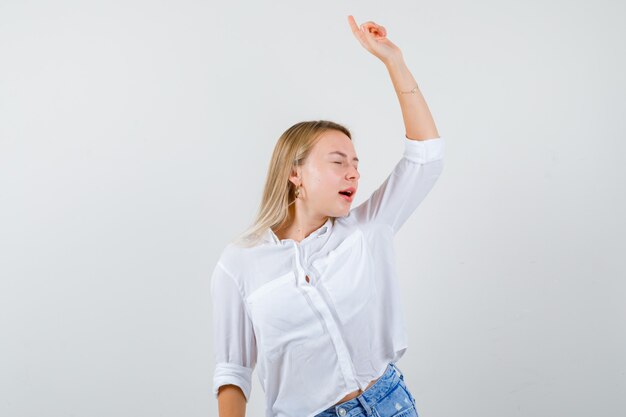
[390, 378]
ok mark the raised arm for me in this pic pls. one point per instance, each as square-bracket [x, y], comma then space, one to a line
[418, 121]
[422, 161]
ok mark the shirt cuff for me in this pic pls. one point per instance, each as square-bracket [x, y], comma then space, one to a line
[232, 373]
[423, 151]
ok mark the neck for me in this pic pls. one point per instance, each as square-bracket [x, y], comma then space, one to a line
[300, 226]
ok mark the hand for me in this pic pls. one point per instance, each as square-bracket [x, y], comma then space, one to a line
[373, 38]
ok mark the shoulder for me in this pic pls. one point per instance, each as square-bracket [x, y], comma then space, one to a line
[241, 262]
[230, 258]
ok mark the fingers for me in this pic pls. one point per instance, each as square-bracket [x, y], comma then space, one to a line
[375, 29]
[367, 28]
[367, 33]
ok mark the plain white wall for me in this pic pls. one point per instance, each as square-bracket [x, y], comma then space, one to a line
[134, 142]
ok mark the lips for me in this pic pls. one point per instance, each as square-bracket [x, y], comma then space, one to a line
[348, 193]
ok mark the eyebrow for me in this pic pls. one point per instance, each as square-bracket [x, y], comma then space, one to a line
[344, 155]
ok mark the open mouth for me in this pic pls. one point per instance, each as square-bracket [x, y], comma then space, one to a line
[348, 194]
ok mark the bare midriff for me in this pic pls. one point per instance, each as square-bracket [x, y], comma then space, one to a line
[356, 393]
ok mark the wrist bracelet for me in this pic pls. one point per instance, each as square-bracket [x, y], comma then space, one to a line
[409, 92]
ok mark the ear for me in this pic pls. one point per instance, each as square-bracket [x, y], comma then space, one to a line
[295, 177]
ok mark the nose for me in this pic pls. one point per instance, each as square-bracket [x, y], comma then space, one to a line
[354, 173]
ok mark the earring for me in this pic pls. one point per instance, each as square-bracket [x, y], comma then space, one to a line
[298, 192]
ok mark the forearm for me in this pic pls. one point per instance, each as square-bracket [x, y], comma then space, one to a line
[231, 402]
[418, 121]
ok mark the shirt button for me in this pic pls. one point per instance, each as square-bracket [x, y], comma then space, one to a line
[342, 411]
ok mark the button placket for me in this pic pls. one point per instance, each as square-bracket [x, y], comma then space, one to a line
[343, 356]
[300, 273]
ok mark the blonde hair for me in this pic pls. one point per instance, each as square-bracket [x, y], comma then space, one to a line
[291, 150]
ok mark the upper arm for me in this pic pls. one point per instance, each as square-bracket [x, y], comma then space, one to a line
[406, 186]
[234, 341]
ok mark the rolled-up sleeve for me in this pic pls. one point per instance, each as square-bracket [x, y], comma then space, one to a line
[234, 342]
[406, 187]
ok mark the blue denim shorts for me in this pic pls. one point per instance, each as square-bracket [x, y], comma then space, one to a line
[387, 397]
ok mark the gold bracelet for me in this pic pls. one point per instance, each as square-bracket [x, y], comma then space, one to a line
[409, 92]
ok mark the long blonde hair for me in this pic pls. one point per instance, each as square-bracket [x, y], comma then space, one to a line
[291, 150]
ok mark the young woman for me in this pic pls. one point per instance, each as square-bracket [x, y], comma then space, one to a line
[309, 294]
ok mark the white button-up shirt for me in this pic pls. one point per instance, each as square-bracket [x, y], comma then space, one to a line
[316, 341]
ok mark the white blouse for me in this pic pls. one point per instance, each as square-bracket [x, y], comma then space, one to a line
[317, 341]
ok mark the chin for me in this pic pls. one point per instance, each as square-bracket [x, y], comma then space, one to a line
[340, 212]
[343, 213]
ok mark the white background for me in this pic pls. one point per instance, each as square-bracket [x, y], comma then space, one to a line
[134, 142]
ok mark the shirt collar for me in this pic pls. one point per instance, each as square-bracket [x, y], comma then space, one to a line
[321, 231]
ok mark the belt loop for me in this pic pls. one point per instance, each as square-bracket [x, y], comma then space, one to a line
[398, 371]
[365, 405]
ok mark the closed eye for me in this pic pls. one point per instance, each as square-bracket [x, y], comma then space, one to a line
[341, 163]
